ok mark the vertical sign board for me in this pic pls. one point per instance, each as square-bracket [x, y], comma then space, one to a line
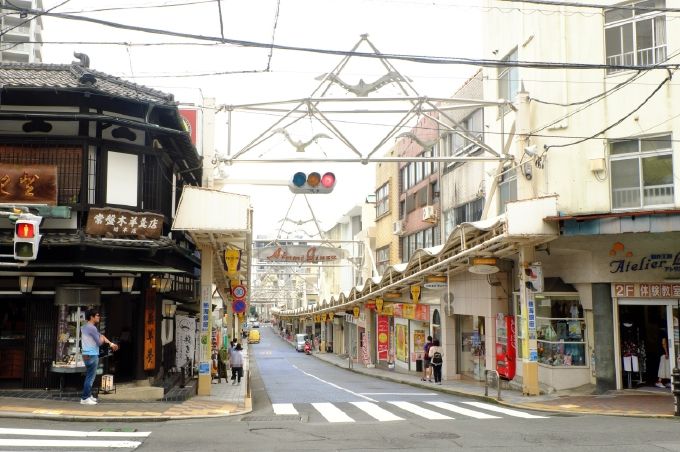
[383, 337]
[531, 326]
[150, 330]
[204, 367]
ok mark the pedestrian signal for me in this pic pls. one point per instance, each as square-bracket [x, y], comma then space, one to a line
[27, 237]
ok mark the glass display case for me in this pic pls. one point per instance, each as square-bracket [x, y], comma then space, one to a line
[72, 302]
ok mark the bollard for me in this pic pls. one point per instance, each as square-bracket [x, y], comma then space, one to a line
[676, 391]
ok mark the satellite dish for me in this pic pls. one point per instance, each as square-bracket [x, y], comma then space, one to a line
[484, 266]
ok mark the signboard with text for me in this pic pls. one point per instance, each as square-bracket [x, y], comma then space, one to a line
[123, 223]
[29, 184]
[645, 290]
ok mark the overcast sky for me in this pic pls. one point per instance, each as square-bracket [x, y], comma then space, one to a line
[432, 28]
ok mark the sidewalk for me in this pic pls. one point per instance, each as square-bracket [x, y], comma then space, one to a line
[638, 403]
[225, 400]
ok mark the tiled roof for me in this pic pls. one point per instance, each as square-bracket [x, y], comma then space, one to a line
[74, 77]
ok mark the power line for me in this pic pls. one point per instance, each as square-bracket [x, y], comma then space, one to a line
[276, 22]
[126, 8]
[22, 11]
[402, 57]
[596, 6]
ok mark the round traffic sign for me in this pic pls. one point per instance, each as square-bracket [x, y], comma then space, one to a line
[238, 291]
[238, 306]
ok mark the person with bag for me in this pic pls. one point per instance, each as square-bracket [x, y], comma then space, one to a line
[236, 365]
[436, 361]
[427, 370]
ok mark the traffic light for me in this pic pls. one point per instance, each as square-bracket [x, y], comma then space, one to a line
[27, 237]
[312, 183]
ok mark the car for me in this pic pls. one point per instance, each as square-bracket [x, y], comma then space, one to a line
[256, 324]
[300, 342]
[254, 337]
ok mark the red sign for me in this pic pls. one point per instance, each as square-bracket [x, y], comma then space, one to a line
[383, 337]
[190, 122]
[238, 292]
[150, 330]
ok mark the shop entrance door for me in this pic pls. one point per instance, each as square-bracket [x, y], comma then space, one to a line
[642, 327]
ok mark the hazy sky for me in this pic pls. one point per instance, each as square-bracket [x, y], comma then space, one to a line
[432, 28]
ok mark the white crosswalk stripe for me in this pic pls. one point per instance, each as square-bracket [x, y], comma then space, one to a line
[361, 411]
[422, 412]
[331, 412]
[376, 412]
[507, 411]
[53, 439]
[284, 408]
[463, 411]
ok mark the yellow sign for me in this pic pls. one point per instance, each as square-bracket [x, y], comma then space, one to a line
[379, 305]
[408, 311]
[356, 311]
[392, 295]
[331, 315]
[323, 317]
[233, 260]
[415, 293]
[388, 309]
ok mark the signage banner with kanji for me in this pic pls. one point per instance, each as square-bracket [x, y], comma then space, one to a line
[30, 184]
[123, 223]
[150, 330]
[645, 290]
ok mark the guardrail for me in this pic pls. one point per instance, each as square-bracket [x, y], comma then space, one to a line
[497, 377]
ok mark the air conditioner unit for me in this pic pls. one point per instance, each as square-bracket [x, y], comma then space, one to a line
[398, 227]
[429, 213]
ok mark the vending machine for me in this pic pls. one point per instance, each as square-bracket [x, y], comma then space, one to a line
[505, 346]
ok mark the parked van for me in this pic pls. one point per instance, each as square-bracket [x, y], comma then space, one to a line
[254, 337]
[300, 341]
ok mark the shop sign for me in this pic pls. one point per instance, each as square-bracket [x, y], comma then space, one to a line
[323, 317]
[435, 282]
[370, 305]
[123, 223]
[379, 304]
[412, 311]
[300, 254]
[232, 261]
[32, 184]
[388, 309]
[356, 311]
[189, 118]
[383, 337]
[331, 315]
[150, 330]
[415, 293]
[627, 262]
[392, 295]
[531, 326]
[646, 290]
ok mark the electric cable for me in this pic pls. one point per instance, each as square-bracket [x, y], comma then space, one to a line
[37, 13]
[596, 6]
[276, 22]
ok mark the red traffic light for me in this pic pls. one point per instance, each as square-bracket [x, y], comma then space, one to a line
[312, 183]
[328, 180]
[25, 230]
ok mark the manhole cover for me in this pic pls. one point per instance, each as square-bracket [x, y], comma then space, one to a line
[435, 435]
[282, 417]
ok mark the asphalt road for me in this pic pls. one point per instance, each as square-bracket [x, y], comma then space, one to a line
[301, 403]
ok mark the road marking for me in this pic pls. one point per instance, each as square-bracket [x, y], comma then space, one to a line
[76, 433]
[507, 411]
[331, 412]
[69, 443]
[284, 408]
[402, 393]
[335, 386]
[422, 412]
[461, 410]
[376, 412]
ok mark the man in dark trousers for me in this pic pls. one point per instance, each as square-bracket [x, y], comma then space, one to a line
[91, 339]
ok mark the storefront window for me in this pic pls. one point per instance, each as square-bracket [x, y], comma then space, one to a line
[472, 346]
[561, 331]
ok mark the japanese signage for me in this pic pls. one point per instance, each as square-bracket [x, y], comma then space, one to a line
[383, 337]
[410, 311]
[646, 290]
[415, 293]
[435, 282]
[31, 184]
[123, 223]
[185, 339]
[531, 327]
[206, 310]
[402, 346]
[300, 254]
[150, 330]
[189, 122]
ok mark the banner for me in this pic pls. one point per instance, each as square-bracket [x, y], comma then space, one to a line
[150, 330]
[402, 346]
[383, 337]
[185, 340]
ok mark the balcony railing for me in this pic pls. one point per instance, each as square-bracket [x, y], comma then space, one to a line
[653, 195]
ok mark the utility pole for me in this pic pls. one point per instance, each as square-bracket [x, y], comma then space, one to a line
[526, 257]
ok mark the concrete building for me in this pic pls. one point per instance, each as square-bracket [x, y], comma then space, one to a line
[22, 34]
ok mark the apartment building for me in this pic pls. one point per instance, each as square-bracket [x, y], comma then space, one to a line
[21, 33]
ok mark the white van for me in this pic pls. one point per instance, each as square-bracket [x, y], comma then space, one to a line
[300, 342]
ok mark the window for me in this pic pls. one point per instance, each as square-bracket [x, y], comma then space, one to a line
[508, 81]
[382, 259]
[560, 330]
[641, 172]
[418, 240]
[635, 36]
[382, 200]
[507, 188]
[465, 213]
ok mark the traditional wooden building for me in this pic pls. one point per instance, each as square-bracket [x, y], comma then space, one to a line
[103, 161]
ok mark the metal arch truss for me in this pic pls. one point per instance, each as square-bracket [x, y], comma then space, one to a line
[318, 106]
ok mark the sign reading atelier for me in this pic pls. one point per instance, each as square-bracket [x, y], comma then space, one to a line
[31, 184]
[300, 254]
[123, 223]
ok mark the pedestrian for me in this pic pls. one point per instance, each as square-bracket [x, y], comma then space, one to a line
[236, 365]
[437, 361]
[427, 371]
[664, 372]
[91, 339]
